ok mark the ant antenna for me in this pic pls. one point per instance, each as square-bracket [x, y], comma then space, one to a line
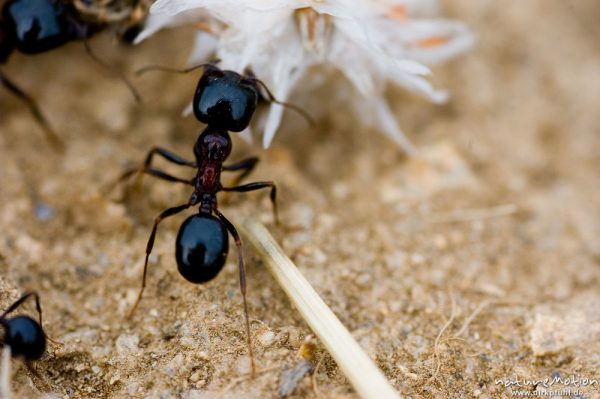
[113, 70]
[52, 137]
[148, 68]
[273, 99]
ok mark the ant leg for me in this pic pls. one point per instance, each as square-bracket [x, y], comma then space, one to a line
[165, 176]
[52, 137]
[257, 186]
[157, 173]
[169, 156]
[164, 214]
[166, 154]
[245, 165]
[20, 301]
[242, 269]
[38, 307]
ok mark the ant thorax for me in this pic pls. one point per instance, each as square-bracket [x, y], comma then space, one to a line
[213, 145]
[212, 148]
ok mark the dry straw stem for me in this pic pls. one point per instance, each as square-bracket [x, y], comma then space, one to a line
[362, 372]
[5, 373]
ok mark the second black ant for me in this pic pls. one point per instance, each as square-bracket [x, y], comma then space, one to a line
[225, 101]
[23, 335]
[37, 26]
[24, 338]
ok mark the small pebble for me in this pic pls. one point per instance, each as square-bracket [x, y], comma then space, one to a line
[267, 338]
[195, 377]
[188, 342]
[363, 280]
[243, 365]
[290, 378]
[127, 343]
[43, 212]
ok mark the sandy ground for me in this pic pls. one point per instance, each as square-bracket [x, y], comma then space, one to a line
[477, 261]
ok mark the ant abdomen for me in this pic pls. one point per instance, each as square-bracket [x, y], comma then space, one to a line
[201, 248]
[225, 100]
[25, 337]
[37, 25]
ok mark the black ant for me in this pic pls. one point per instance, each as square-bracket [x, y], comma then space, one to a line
[38, 26]
[23, 335]
[225, 101]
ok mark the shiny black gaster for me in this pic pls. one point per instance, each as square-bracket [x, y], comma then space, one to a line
[22, 334]
[201, 248]
[25, 337]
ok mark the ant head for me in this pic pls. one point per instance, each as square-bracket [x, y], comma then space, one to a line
[225, 99]
[25, 337]
[201, 248]
[37, 25]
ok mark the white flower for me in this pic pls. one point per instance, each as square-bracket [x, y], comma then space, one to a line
[372, 42]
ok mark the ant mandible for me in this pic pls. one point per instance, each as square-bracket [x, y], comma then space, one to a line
[225, 101]
[23, 335]
[38, 26]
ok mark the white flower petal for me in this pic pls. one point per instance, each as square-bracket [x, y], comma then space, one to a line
[346, 9]
[284, 76]
[156, 22]
[380, 115]
[230, 12]
[272, 124]
[353, 65]
[419, 8]
[456, 39]
[371, 42]
[428, 42]
[421, 86]
[188, 110]
[204, 47]
[170, 7]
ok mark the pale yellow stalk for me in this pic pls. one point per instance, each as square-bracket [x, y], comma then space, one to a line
[360, 370]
